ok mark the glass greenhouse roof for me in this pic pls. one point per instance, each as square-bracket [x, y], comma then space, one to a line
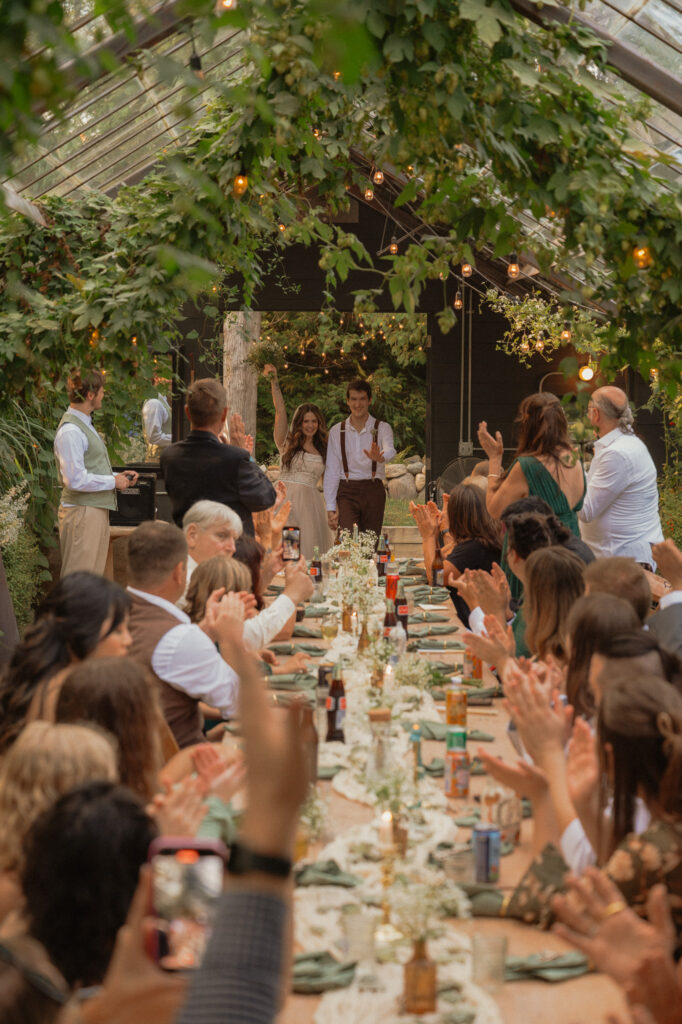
[122, 122]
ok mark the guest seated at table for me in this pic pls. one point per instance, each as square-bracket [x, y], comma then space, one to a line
[210, 528]
[638, 651]
[622, 577]
[263, 568]
[561, 534]
[44, 762]
[83, 616]
[233, 576]
[666, 622]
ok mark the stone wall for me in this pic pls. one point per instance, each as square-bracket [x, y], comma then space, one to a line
[404, 480]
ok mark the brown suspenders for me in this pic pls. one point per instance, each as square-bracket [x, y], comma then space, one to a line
[344, 458]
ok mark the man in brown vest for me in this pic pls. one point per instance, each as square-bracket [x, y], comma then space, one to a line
[354, 474]
[183, 657]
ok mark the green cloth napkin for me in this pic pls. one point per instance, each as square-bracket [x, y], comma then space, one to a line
[219, 822]
[295, 681]
[429, 595]
[468, 820]
[314, 973]
[431, 644]
[437, 731]
[432, 630]
[325, 872]
[560, 967]
[436, 767]
[486, 900]
[328, 771]
[478, 736]
[477, 698]
[422, 616]
[275, 588]
[316, 611]
[285, 647]
[312, 631]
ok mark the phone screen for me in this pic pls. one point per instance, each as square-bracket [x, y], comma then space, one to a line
[291, 544]
[186, 885]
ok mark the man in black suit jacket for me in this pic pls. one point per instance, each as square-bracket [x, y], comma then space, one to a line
[203, 467]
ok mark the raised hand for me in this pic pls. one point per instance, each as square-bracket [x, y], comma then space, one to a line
[281, 492]
[669, 561]
[493, 597]
[375, 453]
[466, 587]
[582, 766]
[270, 373]
[525, 779]
[180, 811]
[237, 430]
[542, 724]
[424, 521]
[492, 446]
[249, 443]
[262, 524]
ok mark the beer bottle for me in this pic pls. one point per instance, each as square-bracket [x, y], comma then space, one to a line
[390, 618]
[401, 608]
[392, 577]
[382, 557]
[316, 567]
[389, 550]
[336, 706]
[437, 569]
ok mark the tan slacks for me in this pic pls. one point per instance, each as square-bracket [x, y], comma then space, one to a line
[83, 538]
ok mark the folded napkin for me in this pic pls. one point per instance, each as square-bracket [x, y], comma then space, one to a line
[295, 681]
[275, 588]
[325, 872]
[468, 820]
[429, 595]
[422, 616]
[219, 822]
[477, 698]
[431, 644]
[436, 767]
[437, 731]
[434, 629]
[312, 631]
[285, 647]
[546, 967]
[319, 972]
[316, 611]
[478, 736]
[328, 771]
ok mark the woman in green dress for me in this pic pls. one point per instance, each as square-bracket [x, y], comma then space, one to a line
[545, 464]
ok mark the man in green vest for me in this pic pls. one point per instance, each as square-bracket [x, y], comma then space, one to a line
[88, 484]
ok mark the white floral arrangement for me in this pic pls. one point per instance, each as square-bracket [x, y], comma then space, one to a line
[313, 815]
[13, 507]
[413, 670]
[417, 904]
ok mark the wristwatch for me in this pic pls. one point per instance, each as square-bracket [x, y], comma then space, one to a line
[243, 860]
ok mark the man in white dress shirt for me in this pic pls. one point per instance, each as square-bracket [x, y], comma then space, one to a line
[357, 452]
[620, 512]
[157, 422]
[88, 484]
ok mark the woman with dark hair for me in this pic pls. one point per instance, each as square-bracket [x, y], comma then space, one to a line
[83, 616]
[554, 582]
[303, 451]
[640, 650]
[544, 464]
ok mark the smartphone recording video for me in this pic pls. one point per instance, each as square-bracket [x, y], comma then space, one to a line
[291, 544]
[187, 880]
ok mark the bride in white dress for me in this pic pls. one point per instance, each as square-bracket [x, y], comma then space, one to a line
[303, 450]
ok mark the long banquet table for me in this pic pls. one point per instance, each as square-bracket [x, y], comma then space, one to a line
[589, 998]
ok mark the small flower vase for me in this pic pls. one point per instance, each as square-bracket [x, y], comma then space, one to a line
[377, 680]
[346, 620]
[420, 981]
[363, 639]
[301, 843]
[400, 836]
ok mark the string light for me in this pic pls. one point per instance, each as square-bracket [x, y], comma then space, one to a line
[467, 269]
[393, 247]
[378, 177]
[240, 185]
[410, 168]
[282, 227]
[458, 303]
[586, 372]
[316, 132]
[524, 346]
[369, 194]
[566, 333]
[133, 341]
[642, 256]
[540, 344]
[513, 269]
[337, 75]
[228, 5]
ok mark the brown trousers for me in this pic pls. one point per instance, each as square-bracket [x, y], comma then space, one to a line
[361, 502]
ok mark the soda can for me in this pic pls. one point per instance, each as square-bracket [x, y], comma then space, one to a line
[472, 666]
[456, 706]
[487, 852]
[456, 737]
[457, 772]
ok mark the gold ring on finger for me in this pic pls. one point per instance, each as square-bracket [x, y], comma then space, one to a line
[613, 908]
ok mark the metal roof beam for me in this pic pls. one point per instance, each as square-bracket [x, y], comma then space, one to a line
[645, 76]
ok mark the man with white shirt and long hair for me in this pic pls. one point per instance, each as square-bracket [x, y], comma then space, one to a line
[88, 484]
[619, 516]
[357, 453]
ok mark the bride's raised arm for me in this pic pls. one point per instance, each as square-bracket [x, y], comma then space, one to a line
[281, 422]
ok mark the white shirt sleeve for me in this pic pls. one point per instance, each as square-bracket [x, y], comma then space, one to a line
[70, 446]
[605, 481]
[672, 597]
[187, 659]
[385, 441]
[264, 627]
[153, 415]
[332, 469]
[576, 848]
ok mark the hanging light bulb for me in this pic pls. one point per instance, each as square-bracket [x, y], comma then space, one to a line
[586, 372]
[540, 343]
[393, 247]
[524, 346]
[369, 194]
[410, 168]
[228, 5]
[282, 227]
[458, 303]
[513, 269]
[195, 63]
[316, 132]
[467, 269]
[337, 75]
[240, 185]
[566, 333]
[378, 177]
[642, 256]
[286, 366]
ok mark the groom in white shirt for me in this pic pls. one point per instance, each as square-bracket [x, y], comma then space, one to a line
[357, 451]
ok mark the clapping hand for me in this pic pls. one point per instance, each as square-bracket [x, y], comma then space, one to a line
[525, 779]
[493, 593]
[582, 767]
[424, 519]
[467, 588]
[223, 616]
[669, 561]
[492, 446]
[375, 453]
[180, 811]
[542, 723]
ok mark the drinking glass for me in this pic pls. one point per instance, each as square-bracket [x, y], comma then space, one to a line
[488, 959]
[329, 627]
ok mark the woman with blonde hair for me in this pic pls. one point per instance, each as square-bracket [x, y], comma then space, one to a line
[45, 762]
[303, 452]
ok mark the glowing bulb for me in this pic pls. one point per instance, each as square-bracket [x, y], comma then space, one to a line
[378, 177]
[467, 269]
[228, 5]
[410, 168]
[241, 183]
[337, 76]
[642, 256]
[286, 366]
[513, 269]
[566, 333]
[364, 358]
[282, 227]
[393, 247]
[316, 132]
[369, 194]
[539, 345]
[524, 346]
[133, 341]
[326, 370]
[653, 375]
[586, 372]
[458, 303]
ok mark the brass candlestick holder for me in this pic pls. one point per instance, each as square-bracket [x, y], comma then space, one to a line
[387, 933]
